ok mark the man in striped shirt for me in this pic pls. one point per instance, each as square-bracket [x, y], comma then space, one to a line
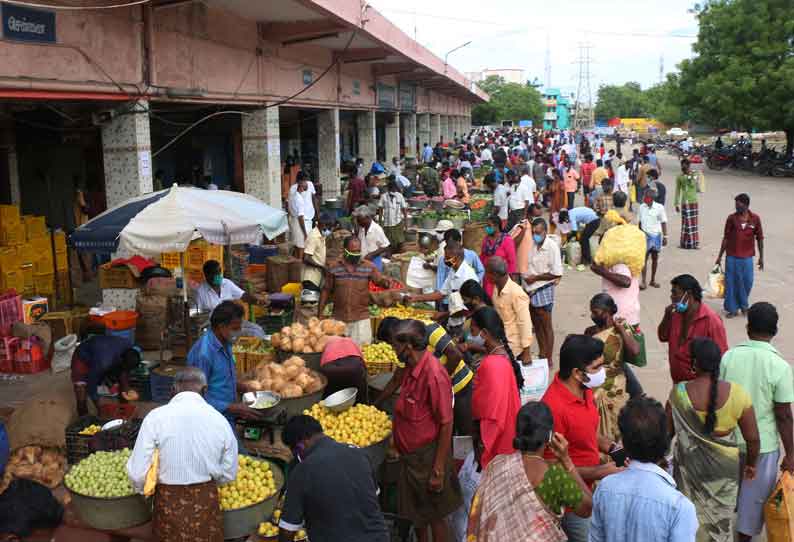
[441, 344]
[197, 450]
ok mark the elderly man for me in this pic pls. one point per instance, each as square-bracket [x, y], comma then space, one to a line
[512, 305]
[332, 490]
[212, 353]
[374, 242]
[346, 284]
[299, 224]
[197, 450]
[216, 289]
[428, 488]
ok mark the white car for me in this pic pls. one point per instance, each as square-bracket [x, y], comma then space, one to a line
[677, 132]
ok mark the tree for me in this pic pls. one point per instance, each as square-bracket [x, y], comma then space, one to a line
[742, 75]
[662, 103]
[625, 100]
[509, 101]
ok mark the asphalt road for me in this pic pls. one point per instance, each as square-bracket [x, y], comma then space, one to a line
[772, 199]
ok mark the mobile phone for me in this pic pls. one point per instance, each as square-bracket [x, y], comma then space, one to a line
[618, 455]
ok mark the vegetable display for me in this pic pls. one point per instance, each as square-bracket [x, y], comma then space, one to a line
[101, 474]
[360, 425]
[307, 340]
[43, 465]
[290, 380]
[406, 313]
[254, 484]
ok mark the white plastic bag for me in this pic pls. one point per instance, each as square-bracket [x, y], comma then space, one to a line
[419, 277]
[469, 482]
[536, 380]
[716, 283]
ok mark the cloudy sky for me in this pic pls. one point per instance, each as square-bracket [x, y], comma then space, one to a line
[628, 37]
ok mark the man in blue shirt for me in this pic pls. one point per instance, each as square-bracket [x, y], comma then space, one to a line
[469, 256]
[578, 216]
[212, 353]
[642, 502]
[427, 153]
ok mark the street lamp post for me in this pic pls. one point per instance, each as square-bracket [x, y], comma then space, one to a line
[446, 56]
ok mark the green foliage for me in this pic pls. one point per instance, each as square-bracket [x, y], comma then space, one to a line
[509, 101]
[743, 73]
[630, 101]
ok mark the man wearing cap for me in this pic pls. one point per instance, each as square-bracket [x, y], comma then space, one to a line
[374, 242]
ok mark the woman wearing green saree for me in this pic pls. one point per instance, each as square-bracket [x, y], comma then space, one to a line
[703, 413]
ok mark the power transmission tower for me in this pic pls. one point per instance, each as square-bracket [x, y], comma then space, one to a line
[547, 67]
[584, 115]
[661, 69]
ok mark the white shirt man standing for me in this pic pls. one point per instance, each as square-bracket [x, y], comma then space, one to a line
[197, 451]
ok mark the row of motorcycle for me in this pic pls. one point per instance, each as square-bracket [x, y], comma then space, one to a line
[740, 155]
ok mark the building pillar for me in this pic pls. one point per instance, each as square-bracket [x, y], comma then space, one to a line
[8, 141]
[328, 151]
[262, 155]
[367, 147]
[409, 134]
[127, 156]
[435, 129]
[392, 137]
[423, 129]
[444, 128]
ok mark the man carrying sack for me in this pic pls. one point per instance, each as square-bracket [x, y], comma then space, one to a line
[191, 448]
[428, 489]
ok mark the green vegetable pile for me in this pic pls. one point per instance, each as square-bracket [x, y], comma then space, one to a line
[101, 474]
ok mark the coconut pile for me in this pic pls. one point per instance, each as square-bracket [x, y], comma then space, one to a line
[290, 380]
[309, 339]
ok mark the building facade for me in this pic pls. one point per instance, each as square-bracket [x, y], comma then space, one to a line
[510, 75]
[557, 114]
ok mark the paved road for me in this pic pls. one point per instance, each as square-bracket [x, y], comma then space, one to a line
[772, 199]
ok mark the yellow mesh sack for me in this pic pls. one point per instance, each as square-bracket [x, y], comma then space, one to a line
[622, 244]
[151, 475]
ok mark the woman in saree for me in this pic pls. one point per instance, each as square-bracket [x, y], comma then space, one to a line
[703, 414]
[521, 496]
[618, 340]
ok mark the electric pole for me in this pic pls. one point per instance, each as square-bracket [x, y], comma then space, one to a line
[584, 114]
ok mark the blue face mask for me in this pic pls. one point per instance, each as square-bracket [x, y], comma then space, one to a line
[538, 238]
[489, 230]
[682, 306]
[476, 340]
[217, 280]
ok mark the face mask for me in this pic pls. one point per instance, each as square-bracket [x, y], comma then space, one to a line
[597, 379]
[326, 233]
[352, 257]
[740, 209]
[476, 340]
[538, 238]
[217, 280]
[449, 263]
[403, 356]
[682, 306]
[648, 201]
[490, 230]
[600, 321]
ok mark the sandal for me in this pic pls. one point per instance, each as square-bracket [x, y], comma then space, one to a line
[656, 285]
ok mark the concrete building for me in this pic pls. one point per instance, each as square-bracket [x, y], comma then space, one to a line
[510, 75]
[557, 115]
[123, 101]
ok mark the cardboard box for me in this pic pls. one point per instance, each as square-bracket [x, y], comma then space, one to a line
[116, 277]
[34, 309]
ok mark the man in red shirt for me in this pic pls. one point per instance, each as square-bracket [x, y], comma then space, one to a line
[428, 488]
[686, 318]
[742, 231]
[587, 169]
[570, 398]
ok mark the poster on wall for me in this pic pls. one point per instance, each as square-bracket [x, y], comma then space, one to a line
[26, 24]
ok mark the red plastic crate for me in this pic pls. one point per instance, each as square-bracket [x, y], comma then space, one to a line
[8, 346]
[10, 311]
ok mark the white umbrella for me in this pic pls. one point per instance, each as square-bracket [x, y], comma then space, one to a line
[168, 220]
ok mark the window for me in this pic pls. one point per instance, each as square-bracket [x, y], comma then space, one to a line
[356, 87]
[307, 77]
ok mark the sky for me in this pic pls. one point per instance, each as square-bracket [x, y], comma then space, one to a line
[628, 38]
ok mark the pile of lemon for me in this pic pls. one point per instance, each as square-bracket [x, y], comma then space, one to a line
[269, 530]
[406, 313]
[92, 429]
[254, 484]
[360, 425]
[379, 357]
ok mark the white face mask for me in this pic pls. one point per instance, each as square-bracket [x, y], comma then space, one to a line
[597, 379]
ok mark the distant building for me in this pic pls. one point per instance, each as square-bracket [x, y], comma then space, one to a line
[557, 115]
[510, 75]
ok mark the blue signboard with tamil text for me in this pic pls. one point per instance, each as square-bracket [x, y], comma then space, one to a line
[25, 24]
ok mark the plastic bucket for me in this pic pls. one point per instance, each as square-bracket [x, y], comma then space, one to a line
[119, 320]
[128, 334]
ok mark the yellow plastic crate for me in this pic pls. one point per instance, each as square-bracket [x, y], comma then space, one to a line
[60, 241]
[44, 283]
[9, 215]
[35, 226]
[13, 279]
[44, 265]
[42, 244]
[170, 260]
[61, 261]
[28, 272]
[12, 235]
[28, 253]
[9, 259]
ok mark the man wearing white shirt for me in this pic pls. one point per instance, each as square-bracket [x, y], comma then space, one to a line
[486, 156]
[309, 196]
[500, 195]
[518, 201]
[197, 451]
[528, 182]
[653, 221]
[299, 222]
[216, 289]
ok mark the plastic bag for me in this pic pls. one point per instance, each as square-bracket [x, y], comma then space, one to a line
[536, 380]
[716, 283]
[779, 511]
[150, 484]
[469, 482]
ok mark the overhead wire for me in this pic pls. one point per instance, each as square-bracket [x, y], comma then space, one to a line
[74, 8]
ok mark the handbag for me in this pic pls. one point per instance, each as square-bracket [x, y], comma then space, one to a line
[779, 510]
[641, 359]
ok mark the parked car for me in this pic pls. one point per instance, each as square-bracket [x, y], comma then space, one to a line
[675, 131]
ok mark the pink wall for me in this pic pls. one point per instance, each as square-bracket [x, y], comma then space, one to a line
[196, 47]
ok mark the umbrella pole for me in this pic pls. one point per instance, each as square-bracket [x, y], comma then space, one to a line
[185, 308]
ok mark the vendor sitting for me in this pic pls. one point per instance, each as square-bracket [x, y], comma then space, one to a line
[102, 359]
[216, 289]
[342, 363]
[212, 353]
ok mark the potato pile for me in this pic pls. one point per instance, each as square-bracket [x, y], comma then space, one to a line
[307, 340]
[43, 465]
[290, 379]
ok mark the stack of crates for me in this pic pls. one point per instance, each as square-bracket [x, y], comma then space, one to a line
[12, 237]
[37, 254]
[196, 255]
